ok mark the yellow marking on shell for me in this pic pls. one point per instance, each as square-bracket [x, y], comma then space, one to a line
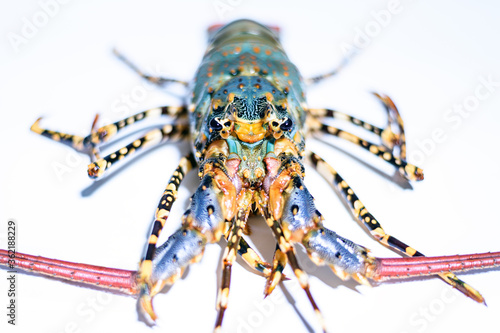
[223, 298]
[349, 137]
[171, 187]
[162, 213]
[153, 239]
[121, 157]
[374, 149]
[153, 137]
[302, 277]
[340, 272]
[410, 170]
[341, 116]
[153, 112]
[108, 165]
[385, 239]
[136, 143]
[231, 255]
[167, 129]
[112, 156]
[234, 239]
[378, 233]
[130, 120]
[360, 278]
[357, 207]
[344, 184]
[123, 151]
[387, 156]
[350, 191]
[332, 130]
[410, 251]
[101, 167]
[198, 154]
[145, 271]
[270, 222]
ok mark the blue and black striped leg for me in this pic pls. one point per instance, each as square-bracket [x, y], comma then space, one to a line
[368, 220]
[162, 212]
[408, 170]
[157, 80]
[152, 138]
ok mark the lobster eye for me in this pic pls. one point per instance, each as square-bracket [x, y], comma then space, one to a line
[215, 125]
[287, 125]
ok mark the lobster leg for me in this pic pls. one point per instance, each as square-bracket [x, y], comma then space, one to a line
[408, 170]
[276, 275]
[227, 263]
[162, 212]
[286, 248]
[389, 138]
[104, 133]
[159, 81]
[152, 138]
[335, 71]
[251, 258]
[376, 230]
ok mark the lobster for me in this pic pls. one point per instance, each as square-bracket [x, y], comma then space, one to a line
[248, 120]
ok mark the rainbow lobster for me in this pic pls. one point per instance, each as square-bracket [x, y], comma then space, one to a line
[248, 121]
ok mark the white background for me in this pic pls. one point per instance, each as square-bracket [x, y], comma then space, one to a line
[429, 57]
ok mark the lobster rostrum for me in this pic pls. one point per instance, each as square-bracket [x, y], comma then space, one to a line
[248, 121]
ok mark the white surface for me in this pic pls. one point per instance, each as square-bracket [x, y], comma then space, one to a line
[428, 58]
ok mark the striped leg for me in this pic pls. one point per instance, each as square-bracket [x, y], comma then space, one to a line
[409, 171]
[287, 249]
[375, 229]
[103, 134]
[150, 139]
[347, 58]
[276, 275]
[159, 81]
[167, 200]
[228, 259]
[389, 138]
[251, 257]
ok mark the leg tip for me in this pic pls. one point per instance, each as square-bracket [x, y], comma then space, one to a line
[36, 126]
